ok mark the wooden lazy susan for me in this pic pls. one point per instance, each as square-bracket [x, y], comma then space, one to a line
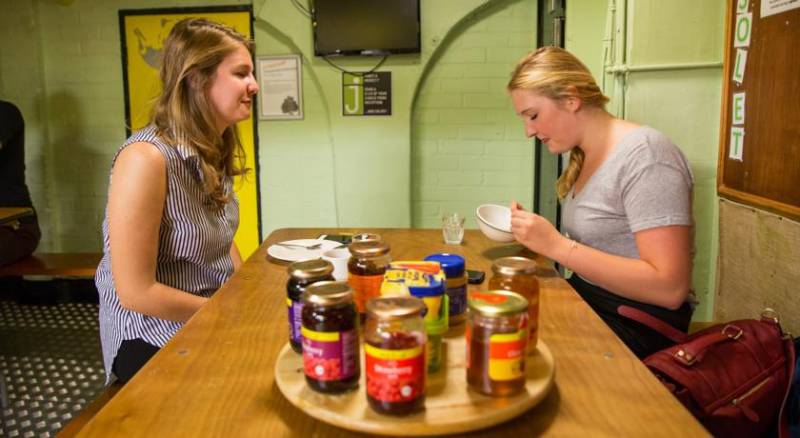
[450, 406]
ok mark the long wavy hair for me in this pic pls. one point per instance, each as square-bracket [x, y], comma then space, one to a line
[554, 73]
[183, 113]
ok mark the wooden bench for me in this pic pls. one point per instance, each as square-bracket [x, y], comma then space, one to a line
[76, 424]
[55, 265]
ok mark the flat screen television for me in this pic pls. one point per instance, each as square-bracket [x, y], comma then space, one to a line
[365, 27]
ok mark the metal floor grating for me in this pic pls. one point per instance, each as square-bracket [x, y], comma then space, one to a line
[52, 366]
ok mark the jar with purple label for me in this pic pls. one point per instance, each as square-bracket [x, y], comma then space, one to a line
[301, 275]
[330, 337]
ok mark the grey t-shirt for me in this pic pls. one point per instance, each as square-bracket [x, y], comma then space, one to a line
[644, 183]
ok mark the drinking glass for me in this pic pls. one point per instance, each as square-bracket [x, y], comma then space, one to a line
[453, 228]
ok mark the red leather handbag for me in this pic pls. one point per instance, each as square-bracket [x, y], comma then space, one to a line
[733, 377]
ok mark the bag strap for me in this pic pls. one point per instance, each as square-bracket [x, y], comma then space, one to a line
[783, 419]
[654, 323]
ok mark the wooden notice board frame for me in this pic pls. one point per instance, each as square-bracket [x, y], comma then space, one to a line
[767, 175]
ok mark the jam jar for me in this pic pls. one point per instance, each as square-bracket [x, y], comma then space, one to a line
[330, 337]
[394, 355]
[302, 274]
[368, 262]
[454, 269]
[496, 338]
[518, 274]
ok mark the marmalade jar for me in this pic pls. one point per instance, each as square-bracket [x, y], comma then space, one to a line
[394, 355]
[518, 274]
[496, 338]
[365, 269]
[302, 274]
[330, 337]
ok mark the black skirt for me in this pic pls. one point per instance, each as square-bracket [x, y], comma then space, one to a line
[642, 340]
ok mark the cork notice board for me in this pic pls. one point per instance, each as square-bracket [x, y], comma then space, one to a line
[759, 160]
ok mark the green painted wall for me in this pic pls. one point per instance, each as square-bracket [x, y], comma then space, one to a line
[449, 108]
[468, 146]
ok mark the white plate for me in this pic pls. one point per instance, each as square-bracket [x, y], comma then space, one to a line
[293, 254]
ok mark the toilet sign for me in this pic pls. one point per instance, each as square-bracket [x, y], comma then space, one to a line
[367, 94]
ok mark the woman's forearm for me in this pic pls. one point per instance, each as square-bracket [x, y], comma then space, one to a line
[636, 279]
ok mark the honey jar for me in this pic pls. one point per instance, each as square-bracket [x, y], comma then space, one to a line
[518, 274]
[496, 338]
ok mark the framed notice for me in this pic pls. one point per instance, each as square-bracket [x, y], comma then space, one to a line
[281, 87]
[367, 94]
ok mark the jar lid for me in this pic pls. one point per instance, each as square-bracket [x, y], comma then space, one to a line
[496, 303]
[514, 266]
[306, 269]
[328, 293]
[366, 237]
[369, 248]
[453, 264]
[394, 307]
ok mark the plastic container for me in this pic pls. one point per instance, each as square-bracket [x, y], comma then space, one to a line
[496, 338]
[426, 281]
[394, 355]
[454, 268]
[518, 274]
[330, 337]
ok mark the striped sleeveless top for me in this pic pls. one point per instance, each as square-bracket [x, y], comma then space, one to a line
[194, 242]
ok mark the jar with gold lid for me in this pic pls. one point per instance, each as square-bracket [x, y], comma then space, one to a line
[330, 337]
[302, 274]
[496, 338]
[368, 262]
[394, 355]
[518, 274]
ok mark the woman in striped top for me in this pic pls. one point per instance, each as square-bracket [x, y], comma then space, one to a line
[171, 213]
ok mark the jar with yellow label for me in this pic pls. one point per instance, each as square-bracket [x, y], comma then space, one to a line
[394, 355]
[330, 337]
[301, 275]
[368, 262]
[496, 338]
[518, 274]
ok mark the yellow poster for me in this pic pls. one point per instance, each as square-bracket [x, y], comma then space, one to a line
[144, 32]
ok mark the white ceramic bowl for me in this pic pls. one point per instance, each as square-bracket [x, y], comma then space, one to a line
[495, 222]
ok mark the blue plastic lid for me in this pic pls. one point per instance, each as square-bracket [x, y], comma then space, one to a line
[453, 264]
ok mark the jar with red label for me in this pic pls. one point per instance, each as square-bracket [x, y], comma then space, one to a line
[301, 275]
[394, 355]
[518, 274]
[496, 337]
[368, 262]
[330, 337]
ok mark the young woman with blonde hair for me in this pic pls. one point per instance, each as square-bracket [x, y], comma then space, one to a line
[626, 199]
[172, 212]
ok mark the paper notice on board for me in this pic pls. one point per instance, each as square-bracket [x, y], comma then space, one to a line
[772, 7]
[738, 109]
[739, 65]
[744, 24]
[737, 143]
[741, 6]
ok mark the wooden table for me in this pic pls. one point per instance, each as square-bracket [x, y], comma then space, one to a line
[10, 214]
[216, 376]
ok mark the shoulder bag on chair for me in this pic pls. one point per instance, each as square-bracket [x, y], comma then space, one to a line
[733, 377]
